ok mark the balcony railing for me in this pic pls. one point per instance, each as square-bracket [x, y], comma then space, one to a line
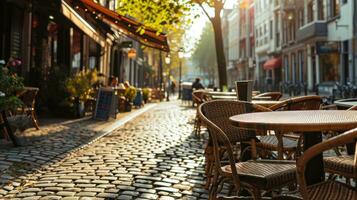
[316, 29]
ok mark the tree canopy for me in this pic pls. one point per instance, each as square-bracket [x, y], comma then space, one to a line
[204, 56]
[162, 15]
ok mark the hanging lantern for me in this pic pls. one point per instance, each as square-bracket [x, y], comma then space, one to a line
[132, 53]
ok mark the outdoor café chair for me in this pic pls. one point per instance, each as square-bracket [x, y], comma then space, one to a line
[327, 190]
[222, 110]
[291, 145]
[28, 97]
[253, 175]
[274, 96]
[199, 97]
[342, 164]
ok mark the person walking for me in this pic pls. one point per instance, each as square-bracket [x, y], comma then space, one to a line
[196, 85]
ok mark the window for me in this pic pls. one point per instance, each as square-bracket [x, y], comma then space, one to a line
[310, 12]
[320, 9]
[271, 29]
[335, 8]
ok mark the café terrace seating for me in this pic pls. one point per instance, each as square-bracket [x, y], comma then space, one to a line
[255, 176]
[198, 97]
[342, 164]
[275, 96]
[329, 189]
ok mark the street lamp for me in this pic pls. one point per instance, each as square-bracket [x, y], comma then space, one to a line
[168, 61]
[180, 55]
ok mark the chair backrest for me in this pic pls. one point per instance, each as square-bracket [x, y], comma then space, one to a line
[299, 103]
[275, 96]
[29, 96]
[313, 151]
[219, 112]
[199, 96]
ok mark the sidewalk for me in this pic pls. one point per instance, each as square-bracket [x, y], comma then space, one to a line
[154, 156]
[54, 141]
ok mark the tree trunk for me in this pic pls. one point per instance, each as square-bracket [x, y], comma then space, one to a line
[221, 59]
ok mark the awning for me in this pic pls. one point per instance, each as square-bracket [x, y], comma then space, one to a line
[82, 24]
[127, 26]
[272, 64]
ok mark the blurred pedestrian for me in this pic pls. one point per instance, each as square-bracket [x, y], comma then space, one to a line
[173, 87]
[197, 84]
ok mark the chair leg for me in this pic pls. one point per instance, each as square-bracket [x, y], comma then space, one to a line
[257, 194]
[214, 187]
[34, 120]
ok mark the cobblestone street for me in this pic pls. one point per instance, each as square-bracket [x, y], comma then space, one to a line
[155, 156]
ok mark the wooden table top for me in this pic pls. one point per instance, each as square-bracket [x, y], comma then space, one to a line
[261, 98]
[346, 103]
[221, 93]
[265, 103]
[298, 121]
[224, 97]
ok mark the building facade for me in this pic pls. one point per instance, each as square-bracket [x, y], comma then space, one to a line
[268, 31]
[240, 43]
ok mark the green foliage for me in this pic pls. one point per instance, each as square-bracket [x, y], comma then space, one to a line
[161, 15]
[204, 56]
[80, 86]
[130, 93]
[146, 93]
[10, 85]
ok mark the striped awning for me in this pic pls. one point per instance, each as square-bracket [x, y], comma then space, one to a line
[125, 25]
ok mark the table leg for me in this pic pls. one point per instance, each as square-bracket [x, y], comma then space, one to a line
[8, 128]
[314, 172]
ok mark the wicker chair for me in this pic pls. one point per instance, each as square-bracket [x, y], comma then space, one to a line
[328, 190]
[28, 97]
[291, 143]
[255, 176]
[275, 96]
[342, 164]
[198, 97]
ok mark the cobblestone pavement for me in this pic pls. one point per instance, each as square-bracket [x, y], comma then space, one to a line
[154, 156]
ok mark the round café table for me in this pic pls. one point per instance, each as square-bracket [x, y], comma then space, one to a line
[213, 93]
[265, 103]
[309, 123]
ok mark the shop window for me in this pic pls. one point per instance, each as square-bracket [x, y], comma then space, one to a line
[76, 49]
[330, 67]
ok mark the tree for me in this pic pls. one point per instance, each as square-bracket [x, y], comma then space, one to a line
[204, 55]
[161, 15]
[217, 5]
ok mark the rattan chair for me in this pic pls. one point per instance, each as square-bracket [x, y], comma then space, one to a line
[341, 164]
[255, 176]
[275, 96]
[291, 145]
[328, 190]
[28, 97]
[198, 97]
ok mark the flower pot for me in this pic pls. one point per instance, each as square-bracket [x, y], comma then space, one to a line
[128, 106]
[80, 109]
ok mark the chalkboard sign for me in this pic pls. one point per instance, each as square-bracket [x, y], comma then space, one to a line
[106, 104]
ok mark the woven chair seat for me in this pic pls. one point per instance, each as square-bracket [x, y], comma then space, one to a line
[342, 165]
[264, 173]
[331, 190]
[270, 141]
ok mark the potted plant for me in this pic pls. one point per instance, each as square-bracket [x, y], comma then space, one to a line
[130, 94]
[146, 95]
[80, 89]
[10, 85]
